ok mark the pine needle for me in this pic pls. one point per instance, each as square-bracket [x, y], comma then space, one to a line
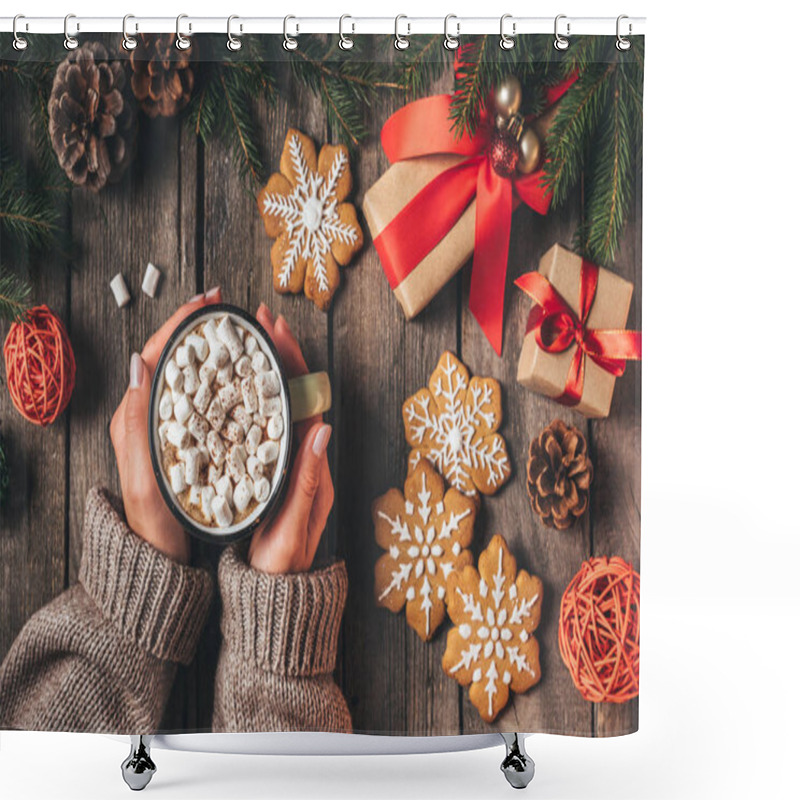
[14, 296]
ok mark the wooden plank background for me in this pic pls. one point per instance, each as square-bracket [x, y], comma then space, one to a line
[184, 207]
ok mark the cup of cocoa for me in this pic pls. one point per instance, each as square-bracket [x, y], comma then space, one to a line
[220, 422]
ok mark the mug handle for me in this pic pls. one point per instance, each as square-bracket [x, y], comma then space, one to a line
[309, 395]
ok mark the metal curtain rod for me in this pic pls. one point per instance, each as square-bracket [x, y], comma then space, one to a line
[297, 25]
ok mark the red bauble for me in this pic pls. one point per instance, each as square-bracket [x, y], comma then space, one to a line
[40, 366]
[503, 153]
[598, 630]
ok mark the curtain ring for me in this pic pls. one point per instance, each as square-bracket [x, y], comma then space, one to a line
[561, 42]
[345, 42]
[182, 42]
[401, 42]
[289, 42]
[234, 42]
[128, 42]
[70, 42]
[623, 43]
[507, 42]
[19, 42]
[451, 42]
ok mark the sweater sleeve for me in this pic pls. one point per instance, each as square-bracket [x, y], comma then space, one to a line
[101, 657]
[279, 641]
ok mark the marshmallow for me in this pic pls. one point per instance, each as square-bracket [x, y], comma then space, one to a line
[255, 469]
[233, 432]
[222, 511]
[202, 397]
[150, 282]
[120, 290]
[216, 447]
[268, 384]
[198, 427]
[243, 494]
[216, 414]
[269, 406]
[199, 345]
[225, 373]
[194, 495]
[241, 417]
[275, 427]
[204, 456]
[230, 338]
[253, 439]
[229, 396]
[207, 494]
[217, 352]
[215, 474]
[184, 355]
[165, 406]
[243, 367]
[183, 409]
[259, 362]
[208, 372]
[191, 380]
[163, 431]
[250, 344]
[261, 489]
[249, 397]
[192, 466]
[268, 452]
[235, 464]
[177, 478]
[224, 488]
[173, 376]
[178, 436]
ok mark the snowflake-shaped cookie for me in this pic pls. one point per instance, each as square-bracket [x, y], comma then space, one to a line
[495, 612]
[303, 210]
[426, 534]
[453, 424]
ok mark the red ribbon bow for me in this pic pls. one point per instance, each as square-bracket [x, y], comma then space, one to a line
[557, 327]
[423, 128]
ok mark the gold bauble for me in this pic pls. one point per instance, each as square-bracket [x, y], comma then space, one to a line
[508, 96]
[530, 151]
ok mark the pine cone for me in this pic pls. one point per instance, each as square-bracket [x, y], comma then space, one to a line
[162, 79]
[92, 123]
[559, 475]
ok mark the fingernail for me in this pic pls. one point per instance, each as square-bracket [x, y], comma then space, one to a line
[137, 371]
[196, 298]
[267, 313]
[321, 440]
[213, 294]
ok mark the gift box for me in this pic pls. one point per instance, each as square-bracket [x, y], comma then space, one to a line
[575, 346]
[386, 199]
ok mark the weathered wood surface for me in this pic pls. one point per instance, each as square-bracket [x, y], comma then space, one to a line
[184, 208]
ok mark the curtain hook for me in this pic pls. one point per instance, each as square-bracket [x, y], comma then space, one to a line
[506, 41]
[401, 42]
[289, 42]
[182, 42]
[451, 42]
[234, 42]
[70, 42]
[19, 42]
[128, 42]
[561, 42]
[345, 42]
[623, 43]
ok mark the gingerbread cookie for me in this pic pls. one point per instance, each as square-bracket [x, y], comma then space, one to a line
[495, 611]
[426, 534]
[453, 424]
[303, 210]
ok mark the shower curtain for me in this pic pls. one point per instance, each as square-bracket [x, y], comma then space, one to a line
[454, 238]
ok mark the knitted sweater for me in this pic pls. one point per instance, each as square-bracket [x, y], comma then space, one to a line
[102, 656]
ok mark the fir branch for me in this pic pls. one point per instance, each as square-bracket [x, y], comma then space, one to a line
[472, 86]
[421, 64]
[14, 296]
[243, 130]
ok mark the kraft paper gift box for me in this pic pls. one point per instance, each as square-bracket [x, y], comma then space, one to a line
[546, 373]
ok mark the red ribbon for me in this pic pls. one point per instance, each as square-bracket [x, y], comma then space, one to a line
[423, 128]
[557, 327]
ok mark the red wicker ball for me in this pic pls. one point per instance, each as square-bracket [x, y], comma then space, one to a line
[40, 366]
[598, 630]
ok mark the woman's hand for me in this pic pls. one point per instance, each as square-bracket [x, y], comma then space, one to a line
[290, 541]
[145, 509]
